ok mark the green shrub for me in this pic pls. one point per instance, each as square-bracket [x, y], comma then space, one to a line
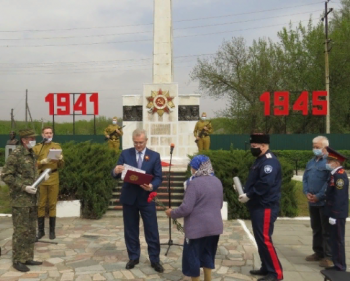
[225, 162]
[87, 176]
[5, 205]
[2, 157]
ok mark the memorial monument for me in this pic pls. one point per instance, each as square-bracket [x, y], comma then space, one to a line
[167, 116]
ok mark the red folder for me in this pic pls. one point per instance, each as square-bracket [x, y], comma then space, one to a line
[137, 178]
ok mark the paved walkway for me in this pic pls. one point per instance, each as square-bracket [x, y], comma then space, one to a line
[95, 250]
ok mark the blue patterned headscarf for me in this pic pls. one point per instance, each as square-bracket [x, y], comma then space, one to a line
[203, 167]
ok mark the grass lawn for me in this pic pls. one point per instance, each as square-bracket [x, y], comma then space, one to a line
[303, 206]
[303, 209]
[4, 200]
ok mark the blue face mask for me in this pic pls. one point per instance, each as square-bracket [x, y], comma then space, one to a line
[329, 167]
[317, 152]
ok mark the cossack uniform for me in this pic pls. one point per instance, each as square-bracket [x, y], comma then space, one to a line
[337, 207]
[263, 188]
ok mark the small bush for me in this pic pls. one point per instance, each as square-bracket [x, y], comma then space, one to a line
[5, 202]
[228, 164]
[86, 176]
[2, 157]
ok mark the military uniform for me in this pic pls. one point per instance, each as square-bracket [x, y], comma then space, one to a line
[114, 137]
[20, 171]
[337, 207]
[48, 189]
[204, 142]
[263, 188]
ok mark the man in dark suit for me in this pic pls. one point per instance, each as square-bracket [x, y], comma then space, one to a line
[134, 199]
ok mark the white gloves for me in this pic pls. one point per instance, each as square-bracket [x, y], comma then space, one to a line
[30, 189]
[60, 157]
[47, 176]
[243, 198]
[332, 221]
[45, 161]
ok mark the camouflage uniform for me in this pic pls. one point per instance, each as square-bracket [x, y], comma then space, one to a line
[114, 139]
[20, 171]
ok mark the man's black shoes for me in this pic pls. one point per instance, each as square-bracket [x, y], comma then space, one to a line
[20, 266]
[33, 262]
[131, 264]
[268, 278]
[157, 267]
[257, 272]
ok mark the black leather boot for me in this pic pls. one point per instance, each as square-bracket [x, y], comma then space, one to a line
[52, 227]
[41, 227]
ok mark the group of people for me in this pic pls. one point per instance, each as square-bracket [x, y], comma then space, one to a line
[202, 201]
[325, 185]
[28, 202]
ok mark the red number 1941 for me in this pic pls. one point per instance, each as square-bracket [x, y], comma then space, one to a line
[281, 103]
[64, 106]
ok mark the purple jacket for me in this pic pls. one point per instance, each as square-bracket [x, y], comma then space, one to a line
[201, 208]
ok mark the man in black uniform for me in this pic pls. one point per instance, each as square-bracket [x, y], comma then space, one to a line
[337, 207]
[263, 192]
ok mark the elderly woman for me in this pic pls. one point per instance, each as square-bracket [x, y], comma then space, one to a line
[201, 210]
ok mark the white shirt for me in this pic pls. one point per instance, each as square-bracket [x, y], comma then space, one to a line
[142, 155]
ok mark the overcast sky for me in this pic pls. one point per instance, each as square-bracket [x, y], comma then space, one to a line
[106, 46]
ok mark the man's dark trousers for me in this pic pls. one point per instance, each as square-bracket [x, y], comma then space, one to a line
[321, 232]
[338, 244]
[263, 220]
[131, 215]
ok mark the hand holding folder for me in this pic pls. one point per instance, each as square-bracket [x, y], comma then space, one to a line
[137, 178]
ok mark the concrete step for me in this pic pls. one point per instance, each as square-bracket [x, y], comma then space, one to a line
[176, 188]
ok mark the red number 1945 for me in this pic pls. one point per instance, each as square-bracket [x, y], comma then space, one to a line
[281, 103]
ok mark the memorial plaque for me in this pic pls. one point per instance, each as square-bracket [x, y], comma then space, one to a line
[160, 129]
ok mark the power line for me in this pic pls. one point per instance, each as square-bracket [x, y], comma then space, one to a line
[143, 40]
[107, 61]
[143, 32]
[185, 20]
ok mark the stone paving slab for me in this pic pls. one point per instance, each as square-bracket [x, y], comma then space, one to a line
[293, 248]
[95, 250]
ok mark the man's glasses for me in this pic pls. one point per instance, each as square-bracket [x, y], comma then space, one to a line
[138, 143]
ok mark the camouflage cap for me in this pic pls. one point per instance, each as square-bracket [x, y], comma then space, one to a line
[203, 113]
[116, 118]
[26, 133]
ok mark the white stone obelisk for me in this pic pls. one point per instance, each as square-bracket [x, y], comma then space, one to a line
[160, 100]
[163, 42]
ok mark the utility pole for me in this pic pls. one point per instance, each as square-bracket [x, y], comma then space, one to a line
[325, 18]
[12, 120]
[26, 108]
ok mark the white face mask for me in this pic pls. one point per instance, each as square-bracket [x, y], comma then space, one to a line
[31, 144]
[49, 140]
[203, 118]
[114, 122]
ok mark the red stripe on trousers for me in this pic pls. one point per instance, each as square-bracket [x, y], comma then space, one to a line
[268, 243]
